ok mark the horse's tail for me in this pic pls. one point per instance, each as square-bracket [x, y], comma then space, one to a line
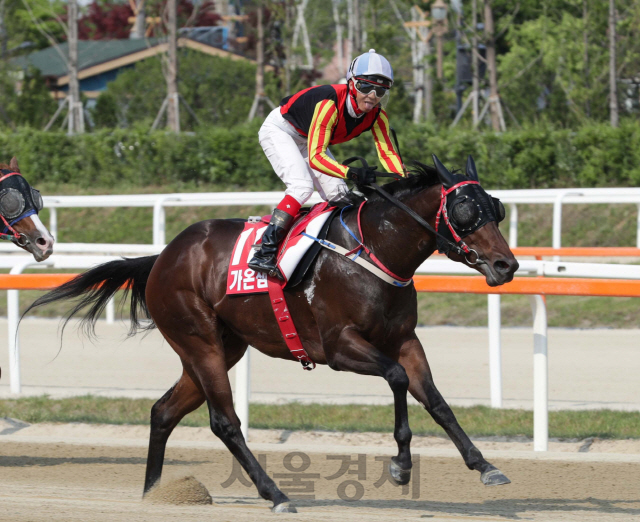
[95, 287]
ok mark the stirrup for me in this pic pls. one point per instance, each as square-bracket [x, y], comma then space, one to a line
[271, 271]
[275, 272]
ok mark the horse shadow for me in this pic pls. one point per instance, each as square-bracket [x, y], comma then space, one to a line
[509, 509]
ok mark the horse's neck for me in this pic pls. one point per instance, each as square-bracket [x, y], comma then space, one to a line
[397, 240]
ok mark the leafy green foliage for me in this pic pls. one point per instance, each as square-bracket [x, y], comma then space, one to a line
[592, 156]
[30, 21]
[553, 60]
[219, 90]
[541, 156]
[32, 105]
[121, 158]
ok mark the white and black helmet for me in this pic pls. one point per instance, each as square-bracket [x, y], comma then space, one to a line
[371, 67]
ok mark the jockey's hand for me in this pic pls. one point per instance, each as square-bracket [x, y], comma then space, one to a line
[362, 175]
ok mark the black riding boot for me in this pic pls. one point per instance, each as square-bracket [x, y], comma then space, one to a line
[265, 259]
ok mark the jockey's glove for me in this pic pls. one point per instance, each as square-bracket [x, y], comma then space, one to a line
[362, 175]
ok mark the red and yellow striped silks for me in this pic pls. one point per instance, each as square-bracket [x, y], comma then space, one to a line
[324, 120]
[388, 156]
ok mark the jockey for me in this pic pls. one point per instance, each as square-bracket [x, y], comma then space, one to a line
[295, 137]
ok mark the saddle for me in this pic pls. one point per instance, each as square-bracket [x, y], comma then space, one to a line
[296, 254]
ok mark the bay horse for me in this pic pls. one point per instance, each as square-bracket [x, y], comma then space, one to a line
[19, 208]
[347, 318]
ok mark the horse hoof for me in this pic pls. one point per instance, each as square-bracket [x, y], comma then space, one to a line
[399, 476]
[285, 507]
[494, 477]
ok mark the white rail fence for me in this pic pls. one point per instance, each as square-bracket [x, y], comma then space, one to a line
[159, 202]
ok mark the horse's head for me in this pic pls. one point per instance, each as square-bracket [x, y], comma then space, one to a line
[469, 217]
[19, 207]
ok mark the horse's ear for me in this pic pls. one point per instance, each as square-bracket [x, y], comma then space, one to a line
[446, 178]
[471, 171]
[13, 165]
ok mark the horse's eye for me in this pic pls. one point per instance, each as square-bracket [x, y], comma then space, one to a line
[465, 214]
[11, 203]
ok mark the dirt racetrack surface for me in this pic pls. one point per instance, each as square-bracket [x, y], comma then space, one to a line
[101, 482]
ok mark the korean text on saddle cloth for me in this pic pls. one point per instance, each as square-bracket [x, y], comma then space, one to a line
[242, 280]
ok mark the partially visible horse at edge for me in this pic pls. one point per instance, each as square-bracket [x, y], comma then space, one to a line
[346, 317]
[19, 208]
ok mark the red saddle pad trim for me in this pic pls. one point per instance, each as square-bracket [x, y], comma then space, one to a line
[302, 223]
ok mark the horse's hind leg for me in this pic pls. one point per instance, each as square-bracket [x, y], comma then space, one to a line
[207, 355]
[226, 425]
[183, 398]
[422, 387]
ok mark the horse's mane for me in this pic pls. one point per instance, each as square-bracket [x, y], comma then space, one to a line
[421, 176]
[4, 166]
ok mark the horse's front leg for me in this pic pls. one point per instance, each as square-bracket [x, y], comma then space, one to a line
[354, 354]
[422, 387]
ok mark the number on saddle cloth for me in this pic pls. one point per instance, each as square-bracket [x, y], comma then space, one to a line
[293, 262]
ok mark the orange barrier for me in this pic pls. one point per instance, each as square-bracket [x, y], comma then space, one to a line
[423, 283]
[577, 251]
[540, 252]
[33, 281]
[530, 285]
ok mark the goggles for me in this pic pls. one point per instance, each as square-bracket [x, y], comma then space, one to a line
[367, 88]
[17, 197]
[466, 213]
[12, 203]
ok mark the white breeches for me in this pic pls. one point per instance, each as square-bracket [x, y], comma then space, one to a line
[289, 156]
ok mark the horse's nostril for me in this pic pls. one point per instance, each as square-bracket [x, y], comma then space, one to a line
[41, 242]
[502, 266]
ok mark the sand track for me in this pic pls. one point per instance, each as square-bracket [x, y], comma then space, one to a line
[85, 482]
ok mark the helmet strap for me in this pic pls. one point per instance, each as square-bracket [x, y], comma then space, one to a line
[354, 100]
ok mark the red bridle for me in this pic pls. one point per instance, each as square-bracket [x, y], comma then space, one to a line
[442, 211]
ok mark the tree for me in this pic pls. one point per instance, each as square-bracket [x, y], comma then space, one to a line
[110, 19]
[134, 96]
[170, 69]
[613, 83]
[32, 24]
[257, 108]
[547, 73]
[492, 66]
[105, 20]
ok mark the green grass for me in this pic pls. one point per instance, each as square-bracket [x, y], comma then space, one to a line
[582, 225]
[477, 421]
[562, 311]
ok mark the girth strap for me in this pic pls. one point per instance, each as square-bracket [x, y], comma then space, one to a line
[285, 323]
[355, 257]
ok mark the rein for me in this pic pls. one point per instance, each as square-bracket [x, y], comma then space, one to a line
[15, 235]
